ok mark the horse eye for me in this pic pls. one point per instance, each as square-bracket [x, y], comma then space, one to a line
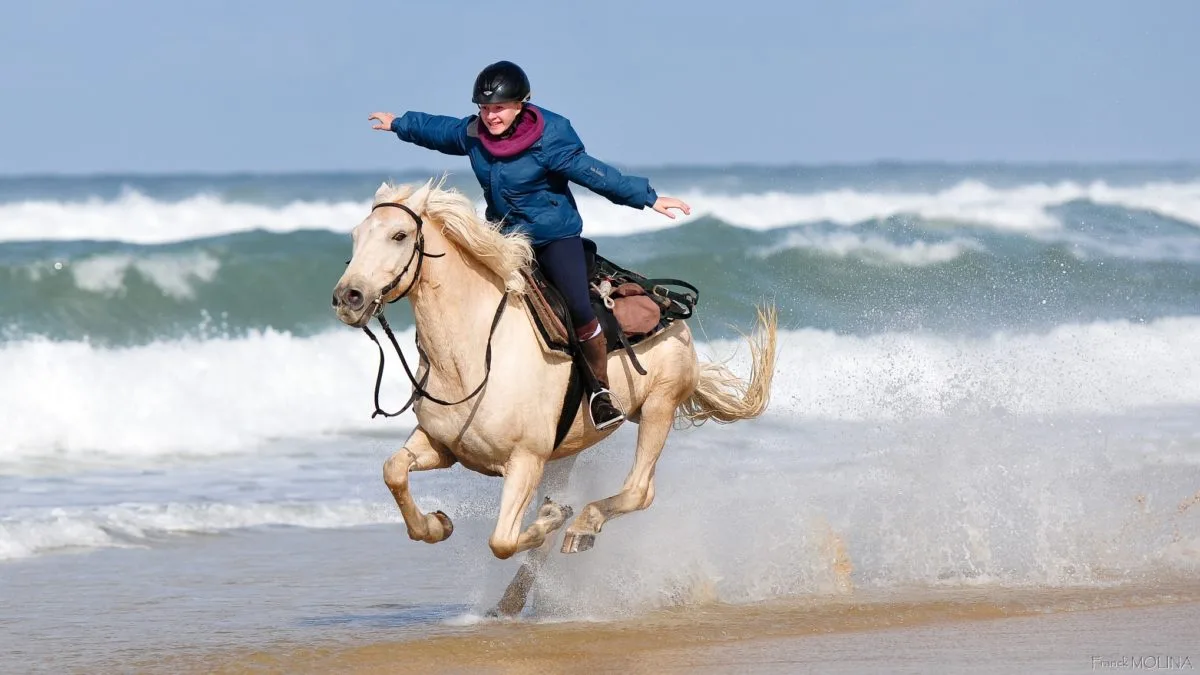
[347, 262]
[399, 236]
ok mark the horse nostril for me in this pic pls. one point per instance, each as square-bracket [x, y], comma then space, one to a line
[354, 298]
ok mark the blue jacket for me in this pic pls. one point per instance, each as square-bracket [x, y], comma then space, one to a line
[529, 191]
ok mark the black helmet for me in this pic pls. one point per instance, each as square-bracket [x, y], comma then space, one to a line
[501, 82]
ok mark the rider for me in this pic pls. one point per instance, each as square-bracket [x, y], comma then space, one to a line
[523, 156]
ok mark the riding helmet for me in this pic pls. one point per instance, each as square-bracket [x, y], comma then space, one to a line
[501, 82]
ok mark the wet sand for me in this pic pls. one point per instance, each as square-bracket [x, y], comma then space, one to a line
[919, 630]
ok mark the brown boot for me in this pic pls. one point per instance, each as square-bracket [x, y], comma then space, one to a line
[604, 413]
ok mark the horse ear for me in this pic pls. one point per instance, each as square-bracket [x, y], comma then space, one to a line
[383, 188]
[420, 198]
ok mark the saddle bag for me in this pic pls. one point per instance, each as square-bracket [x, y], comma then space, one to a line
[637, 313]
[642, 306]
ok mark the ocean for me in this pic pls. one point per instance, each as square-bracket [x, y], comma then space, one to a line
[988, 377]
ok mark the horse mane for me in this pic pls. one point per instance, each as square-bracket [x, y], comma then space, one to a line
[504, 254]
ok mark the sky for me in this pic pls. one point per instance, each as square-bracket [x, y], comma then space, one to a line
[217, 86]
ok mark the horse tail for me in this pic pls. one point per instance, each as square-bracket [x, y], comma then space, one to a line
[721, 395]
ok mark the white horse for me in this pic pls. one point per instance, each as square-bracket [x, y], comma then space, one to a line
[481, 347]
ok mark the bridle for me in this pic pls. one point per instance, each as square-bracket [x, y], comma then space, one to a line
[419, 254]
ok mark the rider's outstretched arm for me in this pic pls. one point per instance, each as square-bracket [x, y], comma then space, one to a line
[437, 132]
[566, 155]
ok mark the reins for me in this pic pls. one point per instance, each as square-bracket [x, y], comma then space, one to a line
[419, 391]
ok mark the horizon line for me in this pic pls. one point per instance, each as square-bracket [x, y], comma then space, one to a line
[626, 168]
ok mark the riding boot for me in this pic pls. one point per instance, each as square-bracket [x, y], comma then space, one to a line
[601, 407]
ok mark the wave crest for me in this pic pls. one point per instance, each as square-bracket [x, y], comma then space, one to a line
[137, 218]
[71, 401]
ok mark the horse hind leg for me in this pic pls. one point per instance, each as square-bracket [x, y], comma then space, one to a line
[554, 482]
[657, 415]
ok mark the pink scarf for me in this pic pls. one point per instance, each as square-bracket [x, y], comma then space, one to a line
[529, 130]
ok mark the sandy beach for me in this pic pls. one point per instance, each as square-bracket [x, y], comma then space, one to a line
[918, 631]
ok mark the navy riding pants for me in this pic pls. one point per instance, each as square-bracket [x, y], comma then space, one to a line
[563, 263]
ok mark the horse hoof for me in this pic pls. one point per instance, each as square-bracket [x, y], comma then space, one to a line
[501, 611]
[578, 543]
[447, 524]
[551, 510]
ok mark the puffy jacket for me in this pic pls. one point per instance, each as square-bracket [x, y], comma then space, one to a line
[530, 190]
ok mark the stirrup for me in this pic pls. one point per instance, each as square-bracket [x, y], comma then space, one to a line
[620, 417]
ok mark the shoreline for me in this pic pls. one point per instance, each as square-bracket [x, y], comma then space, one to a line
[686, 639]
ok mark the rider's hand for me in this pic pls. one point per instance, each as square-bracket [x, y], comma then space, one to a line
[664, 205]
[385, 120]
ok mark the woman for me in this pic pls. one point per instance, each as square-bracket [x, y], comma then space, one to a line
[524, 156]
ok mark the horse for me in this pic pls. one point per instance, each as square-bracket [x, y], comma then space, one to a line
[500, 390]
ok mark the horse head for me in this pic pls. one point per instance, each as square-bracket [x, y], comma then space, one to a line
[386, 256]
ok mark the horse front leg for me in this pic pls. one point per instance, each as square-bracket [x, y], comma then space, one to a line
[420, 453]
[521, 477]
[657, 415]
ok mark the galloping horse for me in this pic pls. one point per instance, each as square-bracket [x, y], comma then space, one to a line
[482, 355]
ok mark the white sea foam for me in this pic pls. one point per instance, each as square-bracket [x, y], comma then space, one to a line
[134, 217]
[1018, 209]
[814, 509]
[1101, 367]
[929, 458]
[875, 248]
[76, 400]
[176, 275]
[73, 400]
[30, 532]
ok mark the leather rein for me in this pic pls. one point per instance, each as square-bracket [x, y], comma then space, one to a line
[419, 391]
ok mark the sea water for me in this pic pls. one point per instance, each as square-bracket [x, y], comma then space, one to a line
[986, 375]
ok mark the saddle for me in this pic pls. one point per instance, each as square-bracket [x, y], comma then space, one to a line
[630, 307]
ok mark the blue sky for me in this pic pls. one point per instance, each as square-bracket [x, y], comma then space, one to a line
[274, 86]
